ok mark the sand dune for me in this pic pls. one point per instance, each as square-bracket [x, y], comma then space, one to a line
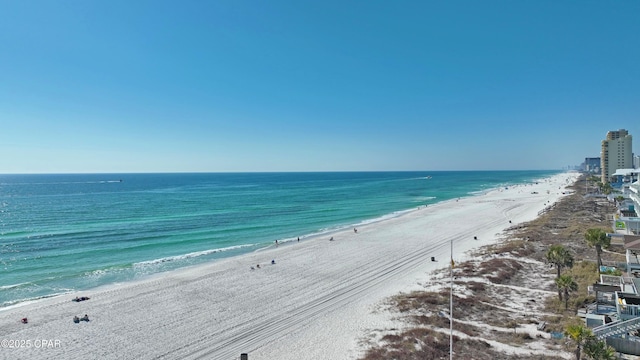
[317, 302]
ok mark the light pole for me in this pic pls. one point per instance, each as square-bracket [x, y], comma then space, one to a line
[451, 307]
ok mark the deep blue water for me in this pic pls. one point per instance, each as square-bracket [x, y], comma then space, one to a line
[60, 233]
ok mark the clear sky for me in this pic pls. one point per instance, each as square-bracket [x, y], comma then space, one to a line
[234, 85]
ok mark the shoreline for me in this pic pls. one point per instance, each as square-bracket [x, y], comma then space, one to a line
[318, 299]
[257, 248]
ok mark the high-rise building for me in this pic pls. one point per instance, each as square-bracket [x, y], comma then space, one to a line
[616, 153]
[591, 165]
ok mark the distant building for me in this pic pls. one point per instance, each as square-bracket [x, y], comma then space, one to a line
[591, 165]
[616, 153]
[636, 161]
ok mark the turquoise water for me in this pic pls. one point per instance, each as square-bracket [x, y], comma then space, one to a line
[60, 233]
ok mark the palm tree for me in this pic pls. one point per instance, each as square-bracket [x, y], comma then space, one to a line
[580, 334]
[559, 256]
[598, 349]
[566, 284]
[598, 238]
[595, 179]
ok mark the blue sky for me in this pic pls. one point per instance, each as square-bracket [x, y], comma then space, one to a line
[162, 86]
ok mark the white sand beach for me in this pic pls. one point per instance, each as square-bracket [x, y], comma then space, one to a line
[319, 301]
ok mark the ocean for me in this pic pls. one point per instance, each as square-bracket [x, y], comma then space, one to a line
[61, 233]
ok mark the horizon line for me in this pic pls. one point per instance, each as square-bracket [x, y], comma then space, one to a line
[271, 172]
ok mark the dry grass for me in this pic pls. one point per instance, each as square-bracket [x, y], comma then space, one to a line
[515, 247]
[420, 301]
[423, 343]
[499, 270]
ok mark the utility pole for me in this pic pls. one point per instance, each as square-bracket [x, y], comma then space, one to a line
[451, 307]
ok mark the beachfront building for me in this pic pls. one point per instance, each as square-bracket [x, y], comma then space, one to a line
[622, 179]
[616, 153]
[632, 250]
[627, 217]
[634, 196]
[626, 220]
[616, 316]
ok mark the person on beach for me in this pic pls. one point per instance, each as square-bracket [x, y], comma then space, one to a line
[258, 266]
[298, 239]
[85, 317]
[273, 262]
[331, 239]
[24, 320]
[76, 319]
[276, 242]
[355, 230]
